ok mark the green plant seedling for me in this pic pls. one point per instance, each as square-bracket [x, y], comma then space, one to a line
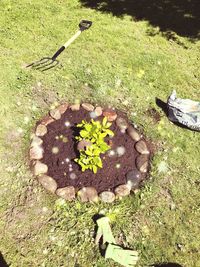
[94, 132]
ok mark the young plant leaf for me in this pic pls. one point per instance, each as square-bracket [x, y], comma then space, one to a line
[95, 132]
[104, 121]
[94, 168]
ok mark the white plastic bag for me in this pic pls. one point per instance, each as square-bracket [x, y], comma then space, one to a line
[184, 111]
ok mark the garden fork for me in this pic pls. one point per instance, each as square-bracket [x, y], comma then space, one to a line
[47, 63]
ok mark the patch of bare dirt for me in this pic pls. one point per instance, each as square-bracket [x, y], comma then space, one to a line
[153, 114]
[27, 215]
[42, 96]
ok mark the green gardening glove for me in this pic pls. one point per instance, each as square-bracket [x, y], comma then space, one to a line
[104, 231]
[125, 257]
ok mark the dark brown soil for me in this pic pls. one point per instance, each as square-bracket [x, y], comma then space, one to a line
[154, 114]
[106, 178]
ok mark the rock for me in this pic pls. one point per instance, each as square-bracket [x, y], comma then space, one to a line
[141, 147]
[36, 141]
[75, 107]
[88, 194]
[41, 130]
[122, 190]
[36, 152]
[83, 144]
[133, 178]
[68, 193]
[47, 120]
[110, 114]
[48, 183]
[133, 133]
[98, 111]
[40, 168]
[62, 108]
[55, 114]
[107, 196]
[88, 106]
[122, 123]
[142, 162]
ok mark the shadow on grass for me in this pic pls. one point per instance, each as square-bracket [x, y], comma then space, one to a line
[2, 261]
[171, 16]
[161, 104]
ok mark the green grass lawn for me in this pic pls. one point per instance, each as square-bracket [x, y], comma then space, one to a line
[115, 62]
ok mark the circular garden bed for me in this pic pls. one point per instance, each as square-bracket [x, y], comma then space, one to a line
[54, 148]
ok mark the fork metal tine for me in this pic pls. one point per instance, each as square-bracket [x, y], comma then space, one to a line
[43, 64]
[49, 66]
[38, 62]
